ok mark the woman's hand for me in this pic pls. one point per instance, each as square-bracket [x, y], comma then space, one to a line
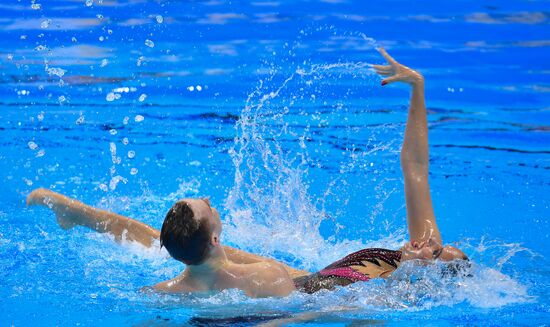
[396, 72]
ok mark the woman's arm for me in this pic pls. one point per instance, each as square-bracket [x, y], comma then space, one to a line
[414, 153]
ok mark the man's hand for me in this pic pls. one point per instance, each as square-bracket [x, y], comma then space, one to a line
[397, 72]
[58, 203]
[38, 197]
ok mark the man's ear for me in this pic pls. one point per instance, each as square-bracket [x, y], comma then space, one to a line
[215, 239]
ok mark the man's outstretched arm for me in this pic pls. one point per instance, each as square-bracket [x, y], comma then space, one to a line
[414, 153]
[71, 212]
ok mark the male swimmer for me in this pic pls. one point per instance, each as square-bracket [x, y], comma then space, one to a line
[192, 228]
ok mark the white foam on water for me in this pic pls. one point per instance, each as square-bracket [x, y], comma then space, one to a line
[411, 288]
[154, 253]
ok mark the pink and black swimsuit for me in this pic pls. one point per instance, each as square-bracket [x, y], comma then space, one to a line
[362, 265]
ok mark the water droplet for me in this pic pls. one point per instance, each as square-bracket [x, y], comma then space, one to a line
[99, 16]
[59, 72]
[103, 187]
[101, 38]
[40, 116]
[40, 153]
[61, 99]
[199, 88]
[142, 97]
[131, 154]
[80, 119]
[139, 118]
[140, 60]
[113, 131]
[33, 146]
[36, 6]
[40, 48]
[115, 180]
[73, 39]
[149, 43]
[112, 148]
[10, 56]
[89, 3]
[46, 23]
[191, 88]
[159, 19]
[125, 120]
[104, 62]
[133, 171]
[125, 141]
[110, 97]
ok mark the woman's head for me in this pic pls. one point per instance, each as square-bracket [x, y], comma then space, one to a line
[191, 228]
[430, 250]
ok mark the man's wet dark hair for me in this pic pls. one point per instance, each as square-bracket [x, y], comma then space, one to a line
[184, 237]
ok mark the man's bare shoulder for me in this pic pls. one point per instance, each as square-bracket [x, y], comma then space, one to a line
[175, 285]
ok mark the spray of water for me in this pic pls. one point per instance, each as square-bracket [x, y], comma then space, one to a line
[271, 210]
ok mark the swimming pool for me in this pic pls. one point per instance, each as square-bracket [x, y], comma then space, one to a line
[270, 109]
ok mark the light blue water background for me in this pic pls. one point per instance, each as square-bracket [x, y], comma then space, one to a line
[270, 109]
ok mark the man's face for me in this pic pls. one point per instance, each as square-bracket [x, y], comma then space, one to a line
[202, 210]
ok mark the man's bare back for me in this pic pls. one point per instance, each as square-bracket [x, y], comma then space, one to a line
[260, 279]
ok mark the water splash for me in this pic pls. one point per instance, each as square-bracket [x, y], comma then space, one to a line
[270, 202]
[412, 288]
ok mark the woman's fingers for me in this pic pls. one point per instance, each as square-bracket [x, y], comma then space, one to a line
[383, 70]
[391, 79]
[384, 73]
[382, 67]
[387, 56]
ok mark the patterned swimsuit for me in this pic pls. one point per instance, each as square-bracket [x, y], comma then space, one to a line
[362, 265]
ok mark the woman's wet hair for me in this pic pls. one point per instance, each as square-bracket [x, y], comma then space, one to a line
[185, 238]
[458, 268]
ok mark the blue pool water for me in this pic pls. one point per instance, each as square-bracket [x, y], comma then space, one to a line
[270, 109]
